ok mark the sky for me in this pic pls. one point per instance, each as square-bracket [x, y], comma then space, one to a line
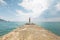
[37, 10]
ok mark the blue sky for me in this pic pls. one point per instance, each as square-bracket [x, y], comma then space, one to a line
[38, 10]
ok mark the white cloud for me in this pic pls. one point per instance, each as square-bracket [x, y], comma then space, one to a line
[37, 7]
[2, 2]
[30, 14]
[24, 16]
[58, 6]
[34, 4]
[47, 20]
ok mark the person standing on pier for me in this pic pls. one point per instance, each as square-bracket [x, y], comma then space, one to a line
[29, 20]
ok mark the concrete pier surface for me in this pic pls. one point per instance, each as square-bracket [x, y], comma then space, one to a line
[30, 32]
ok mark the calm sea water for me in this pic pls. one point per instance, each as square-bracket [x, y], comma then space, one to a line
[6, 27]
[54, 27]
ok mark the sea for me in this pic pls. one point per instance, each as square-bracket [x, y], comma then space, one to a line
[53, 27]
[6, 27]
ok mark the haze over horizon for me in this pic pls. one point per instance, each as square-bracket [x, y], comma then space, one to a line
[38, 10]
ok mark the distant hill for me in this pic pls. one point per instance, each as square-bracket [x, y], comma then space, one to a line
[2, 20]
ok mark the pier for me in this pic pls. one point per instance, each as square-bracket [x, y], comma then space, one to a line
[30, 32]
